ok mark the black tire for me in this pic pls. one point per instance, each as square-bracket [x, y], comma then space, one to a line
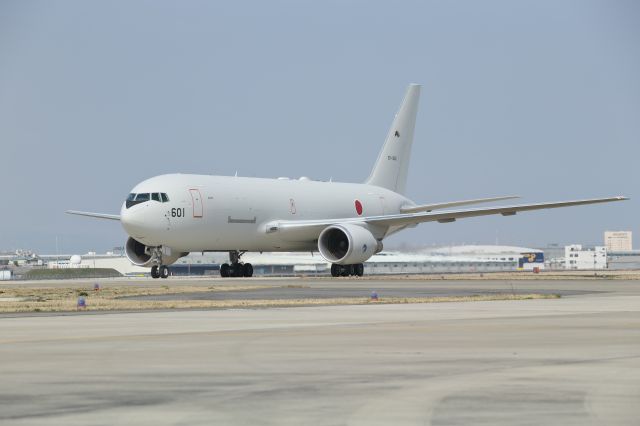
[236, 270]
[247, 270]
[359, 269]
[345, 270]
[154, 272]
[239, 270]
[224, 270]
[335, 270]
[164, 271]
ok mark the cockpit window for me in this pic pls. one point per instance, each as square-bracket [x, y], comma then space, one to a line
[134, 199]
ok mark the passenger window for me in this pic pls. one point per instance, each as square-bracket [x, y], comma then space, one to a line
[165, 198]
[142, 197]
[131, 197]
[155, 196]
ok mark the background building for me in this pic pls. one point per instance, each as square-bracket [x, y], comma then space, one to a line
[436, 260]
[466, 258]
[575, 257]
[618, 240]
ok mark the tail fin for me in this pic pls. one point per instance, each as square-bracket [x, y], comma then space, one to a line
[392, 166]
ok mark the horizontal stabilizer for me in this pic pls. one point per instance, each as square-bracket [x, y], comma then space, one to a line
[438, 206]
[96, 215]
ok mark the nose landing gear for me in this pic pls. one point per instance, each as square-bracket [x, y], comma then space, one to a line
[347, 270]
[159, 271]
[236, 268]
[164, 271]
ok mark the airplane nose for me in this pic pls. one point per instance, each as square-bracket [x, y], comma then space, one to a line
[132, 221]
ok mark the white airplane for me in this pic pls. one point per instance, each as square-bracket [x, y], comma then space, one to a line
[168, 216]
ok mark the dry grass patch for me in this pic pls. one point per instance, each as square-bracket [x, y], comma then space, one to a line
[115, 291]
[61, 300]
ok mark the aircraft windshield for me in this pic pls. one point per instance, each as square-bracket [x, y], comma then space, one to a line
[141, 197]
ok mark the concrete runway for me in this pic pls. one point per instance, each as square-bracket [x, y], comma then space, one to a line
[569, 361]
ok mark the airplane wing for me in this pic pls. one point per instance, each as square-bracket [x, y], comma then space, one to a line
[438, 206]
[403, 219]
[96, 215]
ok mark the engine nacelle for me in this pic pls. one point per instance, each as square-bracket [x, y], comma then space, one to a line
[347, 244]
[142, 255]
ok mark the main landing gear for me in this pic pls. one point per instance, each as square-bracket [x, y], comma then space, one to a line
[347, 270]
[236, 268]
[159, 271]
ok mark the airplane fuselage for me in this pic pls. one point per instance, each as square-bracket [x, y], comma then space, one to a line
[221, 213]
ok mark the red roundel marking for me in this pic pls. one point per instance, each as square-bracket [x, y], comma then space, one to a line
[358, 207]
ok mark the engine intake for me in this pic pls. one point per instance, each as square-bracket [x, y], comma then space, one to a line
[137, 252]
[347, 244]
[142, 255]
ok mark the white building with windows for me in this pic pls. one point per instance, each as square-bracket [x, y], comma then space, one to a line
[575, 257]
[618, 240]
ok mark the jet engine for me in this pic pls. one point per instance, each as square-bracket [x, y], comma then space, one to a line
[347, 244]
[142, 255]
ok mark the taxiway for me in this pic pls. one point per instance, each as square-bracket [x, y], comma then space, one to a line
[569, 361]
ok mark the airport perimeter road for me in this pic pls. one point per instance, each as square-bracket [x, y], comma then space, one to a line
[569, 361]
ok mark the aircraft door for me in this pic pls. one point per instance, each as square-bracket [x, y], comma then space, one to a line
[196, 200]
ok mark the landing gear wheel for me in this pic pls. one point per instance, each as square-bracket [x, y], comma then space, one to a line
[359, 269]
[345, 270]
[224, 270]
[247, 269]
[164, 271]
[235, 270]
[238, 270]
[154, 272]
[335, 270]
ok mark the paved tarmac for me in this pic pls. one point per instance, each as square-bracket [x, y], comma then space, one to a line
[568, 361]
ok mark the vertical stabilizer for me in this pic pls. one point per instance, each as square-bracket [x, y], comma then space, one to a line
[392, 165]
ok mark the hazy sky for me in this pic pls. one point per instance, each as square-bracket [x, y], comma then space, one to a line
[535, 98]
